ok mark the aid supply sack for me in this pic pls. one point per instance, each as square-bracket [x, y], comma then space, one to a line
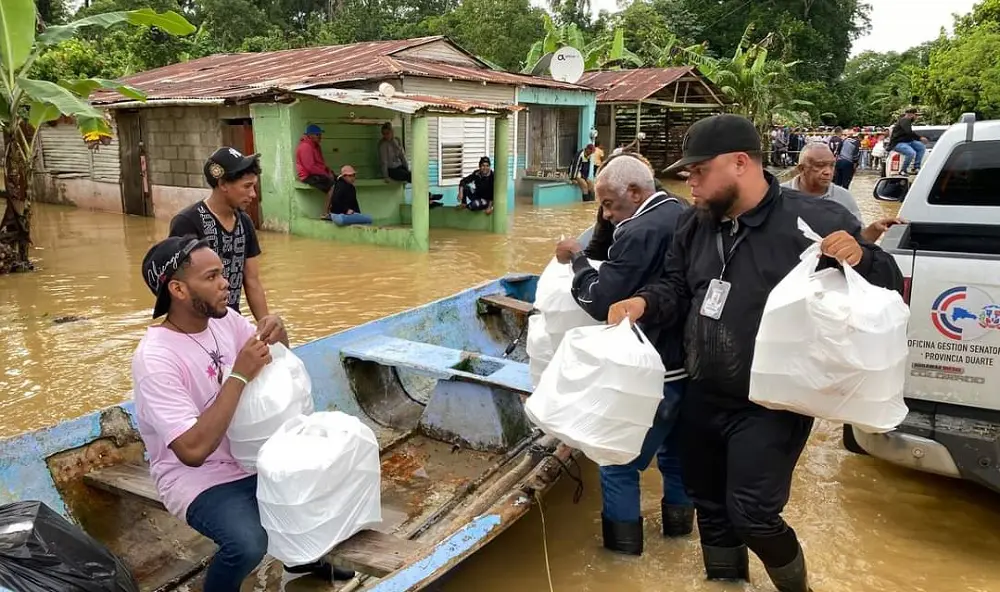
[554, 299]
[832, 346]
[600, 392]
[282, 390]
[318, 483]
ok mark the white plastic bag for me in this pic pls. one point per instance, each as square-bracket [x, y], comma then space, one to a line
[540, 346]
[318, 484]
[600, 392]
[282, 390]
[554, 299]
[833, 346]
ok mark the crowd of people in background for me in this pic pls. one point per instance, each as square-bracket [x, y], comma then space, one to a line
[866, 147]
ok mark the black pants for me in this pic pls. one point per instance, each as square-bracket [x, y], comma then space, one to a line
[321, 182]
[400, 174]
[737, 466]
[843, 173]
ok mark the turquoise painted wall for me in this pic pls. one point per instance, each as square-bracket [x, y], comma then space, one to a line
[587, 101]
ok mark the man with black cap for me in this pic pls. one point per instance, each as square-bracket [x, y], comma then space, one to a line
[189, 373]
[475, 191]
[221, 221]
[729, 251]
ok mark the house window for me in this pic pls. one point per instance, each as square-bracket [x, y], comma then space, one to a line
[553, 134]
[462, 141]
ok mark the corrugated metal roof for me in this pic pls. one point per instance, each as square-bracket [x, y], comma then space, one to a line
[404, 103]
[628, 86]
[234, 76]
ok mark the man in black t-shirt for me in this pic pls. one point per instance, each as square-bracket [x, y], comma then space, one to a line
[220, 220]
[475, 191]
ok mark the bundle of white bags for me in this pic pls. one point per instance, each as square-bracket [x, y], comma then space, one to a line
[282, 390]
[832, 346]
[318, 484]
[558, 313]
[600, 392]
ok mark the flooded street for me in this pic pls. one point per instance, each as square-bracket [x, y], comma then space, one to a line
[68, 330]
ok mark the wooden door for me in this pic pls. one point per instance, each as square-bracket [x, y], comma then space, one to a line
[134, 186]
[238, 133]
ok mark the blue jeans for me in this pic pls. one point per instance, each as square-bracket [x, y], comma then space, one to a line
[349, 219]
[228, 515]
[909, 150]
[620, 483]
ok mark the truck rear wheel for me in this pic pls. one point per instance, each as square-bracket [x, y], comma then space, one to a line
[850, 443]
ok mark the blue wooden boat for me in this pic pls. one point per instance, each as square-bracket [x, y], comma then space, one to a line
[442, 385]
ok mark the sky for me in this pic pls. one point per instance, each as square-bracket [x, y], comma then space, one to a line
[897, 25]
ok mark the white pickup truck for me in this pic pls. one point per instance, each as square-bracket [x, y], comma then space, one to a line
[949, 253]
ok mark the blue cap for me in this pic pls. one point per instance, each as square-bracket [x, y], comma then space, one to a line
[313, 129]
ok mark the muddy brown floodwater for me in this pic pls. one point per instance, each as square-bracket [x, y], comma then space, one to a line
[67, 332]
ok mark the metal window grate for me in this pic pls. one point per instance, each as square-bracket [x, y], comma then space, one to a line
[451, 161]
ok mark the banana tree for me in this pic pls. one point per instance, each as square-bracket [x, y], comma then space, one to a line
[605, 52]
[758, 85]
[25, 104]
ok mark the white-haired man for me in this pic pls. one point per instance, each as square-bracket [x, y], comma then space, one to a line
[815, 178]
[644, 220]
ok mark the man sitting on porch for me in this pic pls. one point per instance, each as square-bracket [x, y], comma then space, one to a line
[342, 204]
[476, 190]
[309, 162]
[579, 172]
[392, 157]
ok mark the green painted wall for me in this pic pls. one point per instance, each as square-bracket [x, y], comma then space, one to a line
[453, 217]
[284, 200]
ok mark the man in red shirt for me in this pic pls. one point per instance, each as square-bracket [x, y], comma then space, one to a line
[309, 161]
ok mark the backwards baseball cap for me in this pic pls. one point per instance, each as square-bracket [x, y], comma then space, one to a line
[714, 136]
[227, 161]
[313, 130]
[161, 263]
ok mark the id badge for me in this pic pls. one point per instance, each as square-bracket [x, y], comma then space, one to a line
[715, 299]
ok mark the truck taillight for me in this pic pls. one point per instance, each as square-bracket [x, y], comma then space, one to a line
[907, 283]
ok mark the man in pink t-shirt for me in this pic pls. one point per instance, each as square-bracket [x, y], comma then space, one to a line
[184, 406]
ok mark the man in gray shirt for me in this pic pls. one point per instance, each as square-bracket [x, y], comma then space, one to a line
[815, 178]
[392, 157]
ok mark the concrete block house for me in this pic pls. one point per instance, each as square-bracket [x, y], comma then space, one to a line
[262, 102]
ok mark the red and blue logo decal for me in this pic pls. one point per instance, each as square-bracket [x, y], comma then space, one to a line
[964, 313]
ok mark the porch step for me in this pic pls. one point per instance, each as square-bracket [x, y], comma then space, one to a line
[441, 362]
[370, 552]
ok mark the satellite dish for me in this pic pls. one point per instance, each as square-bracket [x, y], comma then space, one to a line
[387, 89]
[566, 64]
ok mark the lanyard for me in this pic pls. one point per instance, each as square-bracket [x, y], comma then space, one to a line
[722, 255]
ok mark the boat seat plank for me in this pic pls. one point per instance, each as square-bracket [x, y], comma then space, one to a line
[505, 302]
[441, 362]
[126, 480]
[370, 552]
[375, 553]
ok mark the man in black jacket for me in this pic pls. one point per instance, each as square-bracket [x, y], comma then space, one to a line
[644, 220]
[907, 142]
[729, 252]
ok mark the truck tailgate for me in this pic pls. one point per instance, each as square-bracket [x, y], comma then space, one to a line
[954, 330]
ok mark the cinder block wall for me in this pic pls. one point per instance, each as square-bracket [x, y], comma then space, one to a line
[178, 140]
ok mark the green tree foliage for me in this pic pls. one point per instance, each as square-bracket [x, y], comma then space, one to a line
[964, 73]
[473, 25]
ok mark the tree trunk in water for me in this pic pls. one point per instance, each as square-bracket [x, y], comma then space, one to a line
[15, 225]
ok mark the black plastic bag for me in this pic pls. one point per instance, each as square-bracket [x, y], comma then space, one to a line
[40, 551]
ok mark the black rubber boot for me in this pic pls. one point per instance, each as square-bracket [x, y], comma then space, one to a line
[792, 577]
[678, 521]
[622, 537]
[589, 196]
[726, 563]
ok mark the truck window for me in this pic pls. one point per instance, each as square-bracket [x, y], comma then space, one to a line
[932, 135]
[970, 177]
